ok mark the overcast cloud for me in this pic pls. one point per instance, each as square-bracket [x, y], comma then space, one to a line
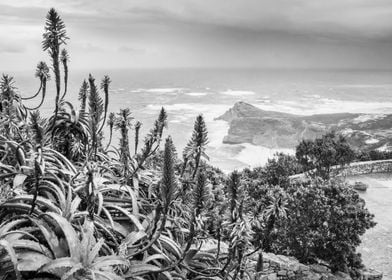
[197, 33]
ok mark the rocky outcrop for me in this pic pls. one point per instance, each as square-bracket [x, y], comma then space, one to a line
[249, 124]
[282, 267]
[279, 267]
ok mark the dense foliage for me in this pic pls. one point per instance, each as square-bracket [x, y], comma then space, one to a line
[320, 155]
[316, 221]
[373, 155]
[75, 207]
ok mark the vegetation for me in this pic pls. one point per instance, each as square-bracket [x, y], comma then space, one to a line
[320, 220]
[320, 155]
[73, 208]
[373, 155]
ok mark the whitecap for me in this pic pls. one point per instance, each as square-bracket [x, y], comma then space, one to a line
[327, 106]
[196, 93]
[372, 141]
[160, 90]
[238, 92]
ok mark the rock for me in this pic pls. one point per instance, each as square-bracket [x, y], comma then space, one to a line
[309, 275]
[211, 246]
[279, 267]
[272, 276]
[318, 268]
[291, 274]
[371, 274]
[342, 276]
[302, 267]
[249, 124]
[260, 276]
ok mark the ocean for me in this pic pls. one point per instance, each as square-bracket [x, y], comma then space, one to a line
[185, 93]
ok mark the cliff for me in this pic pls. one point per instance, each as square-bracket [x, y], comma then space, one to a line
[249, 124]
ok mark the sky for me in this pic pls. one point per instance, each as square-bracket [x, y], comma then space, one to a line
[355, 34]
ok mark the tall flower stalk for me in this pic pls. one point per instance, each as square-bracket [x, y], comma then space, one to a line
[153, 139]
[83, 93]
[64, 60]
[110, 123]
[42, 73]
[123, 123]
[137, 133]
[195, 149]
[105, 86]
[95, 104]
[55, 35]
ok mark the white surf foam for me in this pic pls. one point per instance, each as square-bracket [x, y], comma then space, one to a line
[327, 106]
[238, 92]
[372, 141]
[196, 93]
[209, 111]
[160, 90]
[254, 156]
[185, 113]
[364, 118]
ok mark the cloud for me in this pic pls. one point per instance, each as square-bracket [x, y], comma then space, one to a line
[254, 33]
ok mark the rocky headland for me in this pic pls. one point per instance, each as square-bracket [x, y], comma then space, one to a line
[249, 124]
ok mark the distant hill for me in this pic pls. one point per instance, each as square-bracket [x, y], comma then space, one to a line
[249, 124]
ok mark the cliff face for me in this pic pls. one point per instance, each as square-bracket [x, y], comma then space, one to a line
[249, 124]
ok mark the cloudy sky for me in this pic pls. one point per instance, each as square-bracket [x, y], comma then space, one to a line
[203, 33]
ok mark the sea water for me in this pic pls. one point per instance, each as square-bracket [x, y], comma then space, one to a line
[185, 93]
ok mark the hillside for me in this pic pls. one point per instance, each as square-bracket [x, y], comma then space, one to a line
[249, 124]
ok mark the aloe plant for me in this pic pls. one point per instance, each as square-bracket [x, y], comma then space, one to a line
[105, 86]
[71, 132]
[138, 125]
[84, 260]
[153, 139]
[12, 112]
[96, 110]
[77, 211]
[41, 72]
[55, 35]
[110, 123]
[123, 122]
[64, 58]
[83, 94]
[195, 148]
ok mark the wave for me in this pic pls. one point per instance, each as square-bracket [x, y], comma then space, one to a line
[238, 92]
[160, 90]
[255, 156]
[184, 114]
[196, 93]
[327, 106]
[365, 86]
[209, 111]
[372, 141]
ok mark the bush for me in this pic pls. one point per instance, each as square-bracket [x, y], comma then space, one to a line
[320, 155]
[323, 220]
